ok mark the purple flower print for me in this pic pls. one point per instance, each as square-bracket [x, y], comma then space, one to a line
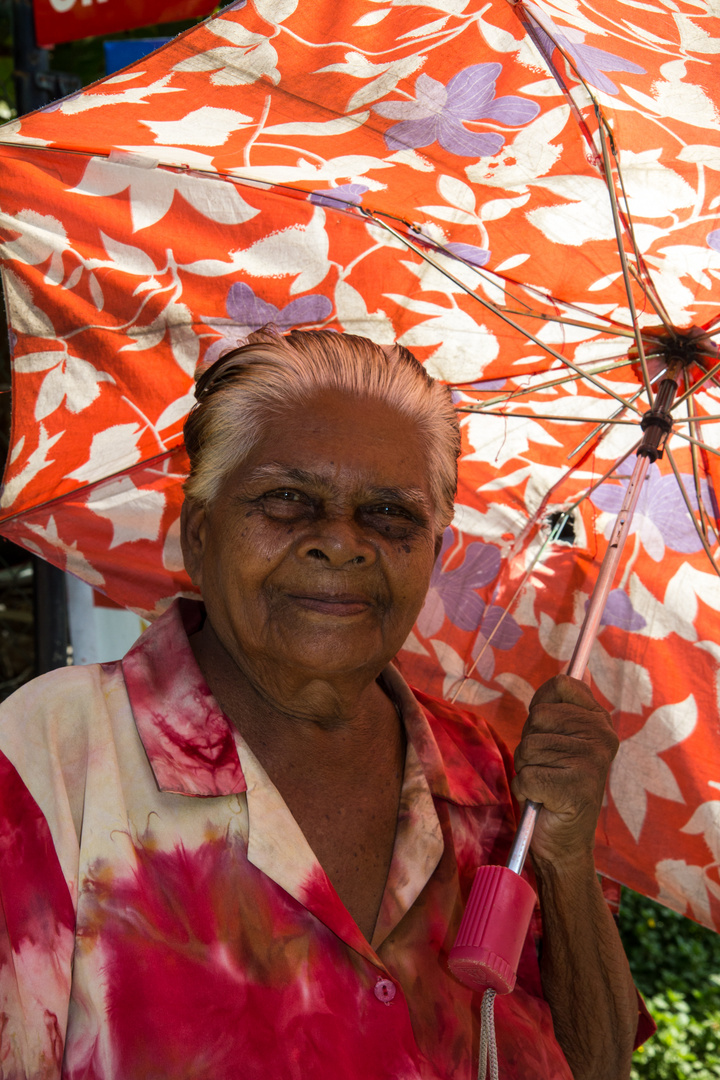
[590, 62]
[713, 239]
[439, 113]
[452, 592]
[249, 312]
[661, 518]
[620, 612]
[334, 198]
[476, 256]
[244, 307]
[487, 384]
[501, 630]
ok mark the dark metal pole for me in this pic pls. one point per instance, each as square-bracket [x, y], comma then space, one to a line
[50, 614]
[35, 84]
[30, 60]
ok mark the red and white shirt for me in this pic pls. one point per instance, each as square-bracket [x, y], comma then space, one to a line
[163, 917]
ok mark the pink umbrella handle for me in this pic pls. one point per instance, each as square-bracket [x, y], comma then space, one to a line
[493, 930]
[500, 904]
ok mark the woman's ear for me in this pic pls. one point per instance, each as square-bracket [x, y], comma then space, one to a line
[193, 520]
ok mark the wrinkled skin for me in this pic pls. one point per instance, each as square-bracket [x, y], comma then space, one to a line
[567, 746]
[313, 562]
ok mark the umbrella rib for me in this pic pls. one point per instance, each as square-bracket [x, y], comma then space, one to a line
[596, 483]
[555, 531]
[532, 27]
[613, 418]
[709, 417]
[694, 446]
[544, 416]
[530, 314]
[650, 291]
[145, 463]
[495, 310]
[552, 535]
[693, 389]
[609, 326]
[686, 500]
[696, 442]
[560, 381]
[621, 252]
[644, 280]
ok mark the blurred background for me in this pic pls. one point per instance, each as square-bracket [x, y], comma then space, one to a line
[47, 618]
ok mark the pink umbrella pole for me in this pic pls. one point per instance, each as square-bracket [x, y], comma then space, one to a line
[500, 905]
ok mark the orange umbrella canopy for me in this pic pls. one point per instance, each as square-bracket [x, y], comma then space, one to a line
[527, 197]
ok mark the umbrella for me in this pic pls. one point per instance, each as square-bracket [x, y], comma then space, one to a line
[522, 194]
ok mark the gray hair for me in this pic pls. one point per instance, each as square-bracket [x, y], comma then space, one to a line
[271, 373]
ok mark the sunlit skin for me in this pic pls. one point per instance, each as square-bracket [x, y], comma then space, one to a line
[314, 562]
[315, 557]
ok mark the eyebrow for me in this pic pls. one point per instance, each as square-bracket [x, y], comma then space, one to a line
[279, 473]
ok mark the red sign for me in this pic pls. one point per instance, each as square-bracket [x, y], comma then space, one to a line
[68, 20]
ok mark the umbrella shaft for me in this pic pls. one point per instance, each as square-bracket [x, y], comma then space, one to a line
[521, 843]
[596, 606]
[588, 633]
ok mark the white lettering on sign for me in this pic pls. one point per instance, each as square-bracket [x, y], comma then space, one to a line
[66, 5]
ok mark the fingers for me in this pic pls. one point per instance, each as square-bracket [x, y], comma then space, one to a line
[560, 778]
[563, 688]
[562, 761]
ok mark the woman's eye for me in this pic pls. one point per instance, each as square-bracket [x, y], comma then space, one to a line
[285, 502]
[388, 510]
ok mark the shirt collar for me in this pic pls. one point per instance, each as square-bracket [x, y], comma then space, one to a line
[449, 773]
[190, 743]
[187, 737]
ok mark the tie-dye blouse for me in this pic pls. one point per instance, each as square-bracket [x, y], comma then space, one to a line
[163, 917]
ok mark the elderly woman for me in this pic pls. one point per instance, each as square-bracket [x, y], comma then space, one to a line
[243, 851]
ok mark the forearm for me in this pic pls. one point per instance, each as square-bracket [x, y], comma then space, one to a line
[585, 975]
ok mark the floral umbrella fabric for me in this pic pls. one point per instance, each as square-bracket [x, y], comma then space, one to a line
[460, 175]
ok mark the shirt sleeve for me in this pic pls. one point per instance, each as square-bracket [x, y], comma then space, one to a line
[37, 928]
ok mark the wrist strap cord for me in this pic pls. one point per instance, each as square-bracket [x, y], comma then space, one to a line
[487, 1065]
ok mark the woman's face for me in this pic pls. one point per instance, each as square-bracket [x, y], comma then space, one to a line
[315, 557]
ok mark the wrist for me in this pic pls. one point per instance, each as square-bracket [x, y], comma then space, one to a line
[564, 869]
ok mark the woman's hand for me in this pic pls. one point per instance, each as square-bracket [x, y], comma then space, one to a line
[562, 761]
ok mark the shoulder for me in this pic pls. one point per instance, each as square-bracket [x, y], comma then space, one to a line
[50, 727]
[60, 701]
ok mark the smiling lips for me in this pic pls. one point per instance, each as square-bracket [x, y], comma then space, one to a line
[335, 603]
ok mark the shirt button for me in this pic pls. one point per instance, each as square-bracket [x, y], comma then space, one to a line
[385, 990]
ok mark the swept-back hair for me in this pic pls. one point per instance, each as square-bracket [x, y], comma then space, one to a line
[271, 373]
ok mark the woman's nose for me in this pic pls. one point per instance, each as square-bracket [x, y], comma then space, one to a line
[338, 543]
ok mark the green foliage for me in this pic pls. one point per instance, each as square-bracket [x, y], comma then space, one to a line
[676, 966]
